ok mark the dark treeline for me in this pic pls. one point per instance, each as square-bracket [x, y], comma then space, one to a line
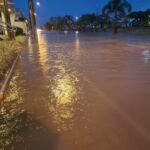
[140, 18]
[116, 14]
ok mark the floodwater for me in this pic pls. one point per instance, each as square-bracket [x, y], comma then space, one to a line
[86, 91]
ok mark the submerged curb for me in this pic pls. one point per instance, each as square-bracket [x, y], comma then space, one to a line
[8, 78]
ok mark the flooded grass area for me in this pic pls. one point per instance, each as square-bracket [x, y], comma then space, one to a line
[136, 30]
[85, 91]
[8, 51]
[11, 116]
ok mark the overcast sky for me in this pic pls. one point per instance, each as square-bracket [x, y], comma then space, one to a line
[69, 7]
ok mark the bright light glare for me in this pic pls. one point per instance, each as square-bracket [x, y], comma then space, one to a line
[39, 30]
[38, 3]
[9, 10]
[77, 18]
[65, 31]
[77, 32]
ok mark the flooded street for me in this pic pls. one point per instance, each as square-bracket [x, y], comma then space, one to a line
[86, 91]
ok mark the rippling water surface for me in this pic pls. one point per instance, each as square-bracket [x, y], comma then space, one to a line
[86, 91]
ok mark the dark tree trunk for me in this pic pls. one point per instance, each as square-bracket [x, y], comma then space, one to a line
[7, 20]
[126, 23]
[115, 23]
[115, 26]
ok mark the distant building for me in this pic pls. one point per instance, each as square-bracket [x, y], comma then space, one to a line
[16, 16]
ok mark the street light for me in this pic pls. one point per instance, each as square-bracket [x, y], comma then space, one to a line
[77, 18]
[9, 9]
[38, 3]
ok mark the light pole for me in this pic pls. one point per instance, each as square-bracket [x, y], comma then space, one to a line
[32, 18]
[7, 20]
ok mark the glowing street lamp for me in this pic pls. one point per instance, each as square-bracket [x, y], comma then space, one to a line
[38, 3]
[9, 9]
[77, 18]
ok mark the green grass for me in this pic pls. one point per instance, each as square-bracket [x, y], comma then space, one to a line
[141, 31]
[8, 52]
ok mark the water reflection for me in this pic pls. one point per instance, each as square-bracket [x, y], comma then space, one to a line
[64, 93]
[146, 54]
[63, 96]
[43, 51]
[30, 49]
[77, 45]
[63, 80]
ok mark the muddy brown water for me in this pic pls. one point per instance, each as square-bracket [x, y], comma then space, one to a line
[86, 91]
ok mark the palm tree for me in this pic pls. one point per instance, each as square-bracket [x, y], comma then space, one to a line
[117, 9]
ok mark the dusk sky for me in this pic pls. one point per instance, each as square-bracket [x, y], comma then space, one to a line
[69, 7]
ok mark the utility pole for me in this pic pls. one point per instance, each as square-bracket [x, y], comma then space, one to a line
[32, 18]
[7, 20]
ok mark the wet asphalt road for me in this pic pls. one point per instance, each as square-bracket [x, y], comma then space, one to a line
[86, 91]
